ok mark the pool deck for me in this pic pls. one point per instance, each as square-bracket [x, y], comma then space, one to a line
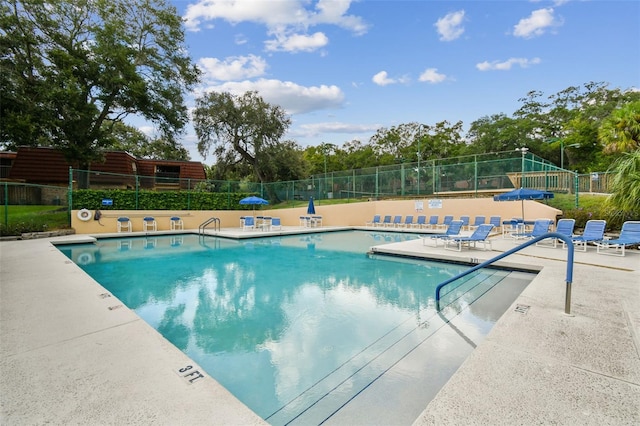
[70, 353]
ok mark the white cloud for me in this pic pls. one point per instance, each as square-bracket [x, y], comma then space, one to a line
[450, 27]
[240, 39]
[295, 99]
[383, 79]
[315, 129]
[297, 42]
[507, 65]
[232, 68]
[148, 131]
[431, 75]
[536, 24]
[275, 15]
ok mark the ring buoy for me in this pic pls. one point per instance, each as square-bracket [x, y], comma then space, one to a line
[85, 258]
[84, 215]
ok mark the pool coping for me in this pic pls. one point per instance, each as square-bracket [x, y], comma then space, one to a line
[71, 353]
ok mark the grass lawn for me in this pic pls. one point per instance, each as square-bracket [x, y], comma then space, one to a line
[18, 219]
[566, 202]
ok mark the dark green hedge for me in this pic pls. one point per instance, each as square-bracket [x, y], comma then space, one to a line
[151, 200]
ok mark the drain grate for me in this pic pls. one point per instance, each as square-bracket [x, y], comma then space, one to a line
[522, 309]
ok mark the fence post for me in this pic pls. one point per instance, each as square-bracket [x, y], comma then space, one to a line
[6, 204]
[475, 174]
[576, 188]
[137, 190]
[70, 195]
[354, 184]
[189, 194]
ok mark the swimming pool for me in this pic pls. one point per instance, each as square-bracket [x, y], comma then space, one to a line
[305, 329]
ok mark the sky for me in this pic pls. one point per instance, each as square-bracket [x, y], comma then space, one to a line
[342, 69]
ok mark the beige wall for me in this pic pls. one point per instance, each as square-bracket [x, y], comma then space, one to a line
[353, 214]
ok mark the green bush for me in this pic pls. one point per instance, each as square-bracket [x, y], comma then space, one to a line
[152, 200]
[18, 228]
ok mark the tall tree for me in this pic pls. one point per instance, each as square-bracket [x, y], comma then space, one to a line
[72, 68]
[620, 131]
[625, 189]
[495, 133]
[240, 129]
[127, 138]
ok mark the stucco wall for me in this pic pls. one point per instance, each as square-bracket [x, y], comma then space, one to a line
[353, 214]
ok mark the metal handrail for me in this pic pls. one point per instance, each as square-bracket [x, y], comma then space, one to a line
[569, 277]
[203, 225]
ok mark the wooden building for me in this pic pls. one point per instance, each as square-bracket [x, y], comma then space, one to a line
[47, 166]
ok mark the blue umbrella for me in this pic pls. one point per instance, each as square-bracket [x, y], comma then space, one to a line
[311, 209]
[253, 200]
[523, 194]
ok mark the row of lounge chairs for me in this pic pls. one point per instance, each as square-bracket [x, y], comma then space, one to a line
[593, 234]
[390, 221]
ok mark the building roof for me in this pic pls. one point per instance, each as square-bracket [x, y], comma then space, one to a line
[44, 165]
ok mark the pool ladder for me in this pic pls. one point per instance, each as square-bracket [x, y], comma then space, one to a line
[203, 225]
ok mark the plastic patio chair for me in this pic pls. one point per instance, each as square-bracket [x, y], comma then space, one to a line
[564, 227]
[477, 221]
[445, 222]
[374, 222]
[420, 222]
[480, 235]
[275, 224]
[629, 235]
[453, 230]
[408, 221]
[465, 221]
[124, 224]
[397, 221]
[175, 223]
[386, 221]
[149, 224]
[496, 221]
[433, 221]
[248, 223]
[540, 227]
[593, 231]
[511, 226]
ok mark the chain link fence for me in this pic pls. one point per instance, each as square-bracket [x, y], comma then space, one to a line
[469, 176]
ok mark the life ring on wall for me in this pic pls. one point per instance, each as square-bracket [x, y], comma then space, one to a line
[85, 258]
[84, 215]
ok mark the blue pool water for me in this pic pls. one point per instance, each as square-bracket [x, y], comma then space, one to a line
[302, 329]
